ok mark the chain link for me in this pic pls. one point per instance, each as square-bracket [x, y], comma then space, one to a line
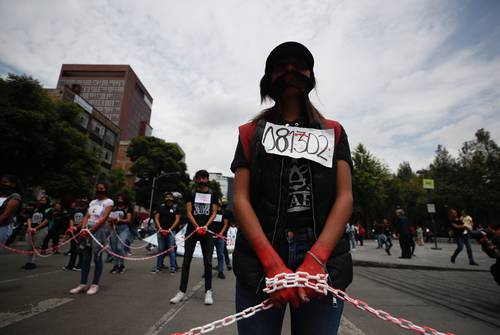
[319, 284]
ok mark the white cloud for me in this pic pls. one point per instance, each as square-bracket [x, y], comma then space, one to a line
[382, 70]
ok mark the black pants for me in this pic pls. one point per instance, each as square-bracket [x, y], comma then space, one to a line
[53, 235]
[405, 244]
[226, 256]
[207, 249]
[74, 253]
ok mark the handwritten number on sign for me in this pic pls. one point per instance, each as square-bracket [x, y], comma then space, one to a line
[312, 144]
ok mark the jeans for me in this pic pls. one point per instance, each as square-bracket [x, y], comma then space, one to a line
[460, 240]
[207, 249]
[5, 232]
[74, 253]
[319, 316]
[219, 246]
[164, 243]
[118, 237]
[90, 249]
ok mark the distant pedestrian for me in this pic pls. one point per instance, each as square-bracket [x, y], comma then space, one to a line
[220, 227]
[377, 231]
[386, 236]
[461, 237]
[10, 202]
[420, 236]
[361, 233]
[404, 233]
[56, 223]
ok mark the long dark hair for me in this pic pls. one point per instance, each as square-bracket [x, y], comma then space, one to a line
[313, 116]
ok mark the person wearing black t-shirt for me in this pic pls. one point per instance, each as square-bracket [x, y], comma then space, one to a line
[219, 227]
[75, 224]
[119, 220]
[166, 220]
[292, 200]
[37, 229]
[201, 208]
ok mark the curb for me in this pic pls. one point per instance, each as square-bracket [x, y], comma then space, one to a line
[374, 264]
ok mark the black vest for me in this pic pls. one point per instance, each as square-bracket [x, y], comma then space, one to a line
[269, 196]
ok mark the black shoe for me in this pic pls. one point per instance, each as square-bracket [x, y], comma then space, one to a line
[453, 259]
[473, 263]
[67, 268]
[114, 270]
[77, 268]
[221, 275]
[388, 251]
[29, 266]
[121, 269]
[229, 267]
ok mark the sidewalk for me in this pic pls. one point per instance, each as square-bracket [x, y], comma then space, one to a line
[425, 257]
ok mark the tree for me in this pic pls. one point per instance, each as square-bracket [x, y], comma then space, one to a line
[152, 158]
[479, 178]
[118, 184]
[40, 141]
[369, 180]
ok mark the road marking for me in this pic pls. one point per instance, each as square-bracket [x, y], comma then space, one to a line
[43, 306]
[348, 328]
[29, 277]
[167, 317]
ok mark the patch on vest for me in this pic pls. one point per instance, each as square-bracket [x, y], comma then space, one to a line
[316, 145]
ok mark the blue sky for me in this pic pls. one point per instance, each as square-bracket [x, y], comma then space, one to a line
[401, 76]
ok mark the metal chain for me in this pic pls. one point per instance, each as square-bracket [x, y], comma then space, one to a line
[319, 284]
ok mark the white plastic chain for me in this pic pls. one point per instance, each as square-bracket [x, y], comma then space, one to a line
[319, 284]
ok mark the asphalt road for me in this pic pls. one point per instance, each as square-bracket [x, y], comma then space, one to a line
[137, 302]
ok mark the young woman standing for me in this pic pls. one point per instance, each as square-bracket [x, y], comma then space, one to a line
[95, 219]
[293, 197]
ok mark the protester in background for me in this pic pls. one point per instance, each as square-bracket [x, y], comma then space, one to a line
[219, 227]
[386, 236]
[292, 211]
[420, 235]
[230, 219]
[466, 221]
[94, 221]
[75, 222]
[361, 234]
[166, 220]
[201, 208]
[37, 230]
[404, 233]
[412, 240]
[119, 220]
[490, 243]
[376, 231]
[56, 222]
[460, 236]
[10, 202]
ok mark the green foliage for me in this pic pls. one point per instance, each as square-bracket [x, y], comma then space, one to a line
[153, 157]
[118, 184]
[40, 141]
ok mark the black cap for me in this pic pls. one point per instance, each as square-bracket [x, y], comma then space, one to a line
[289, 49]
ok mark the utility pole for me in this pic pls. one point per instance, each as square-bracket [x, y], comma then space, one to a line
[428, 184]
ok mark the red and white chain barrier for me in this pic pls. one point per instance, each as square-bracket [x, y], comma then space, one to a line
[319, 284]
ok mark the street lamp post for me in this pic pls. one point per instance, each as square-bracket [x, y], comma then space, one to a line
[153, 186]
[428, 184]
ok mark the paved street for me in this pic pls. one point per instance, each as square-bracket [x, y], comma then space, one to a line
[137, 302]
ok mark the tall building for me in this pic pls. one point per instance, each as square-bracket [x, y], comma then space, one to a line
[226, 186]
[103, 133]
[116, 91]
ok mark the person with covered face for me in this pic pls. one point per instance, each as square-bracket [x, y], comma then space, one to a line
[201, 209]
[10, 202]
[37, 230]
[94, 221]
[120, 220]
[166, 220]
[292, 199]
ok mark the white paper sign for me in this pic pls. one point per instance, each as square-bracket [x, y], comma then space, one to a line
[153, 239]
[316, 145]
[218, 218]
[202, 198]
[2, 200]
